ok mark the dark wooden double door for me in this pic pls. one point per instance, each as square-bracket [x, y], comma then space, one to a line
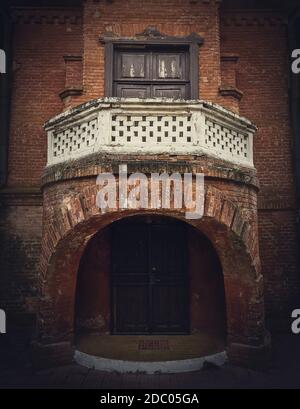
[149, 279]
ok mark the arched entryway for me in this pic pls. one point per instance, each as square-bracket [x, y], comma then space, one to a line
[156, 278]
[71, 229]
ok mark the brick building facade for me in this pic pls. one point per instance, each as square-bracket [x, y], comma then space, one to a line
[57, 249]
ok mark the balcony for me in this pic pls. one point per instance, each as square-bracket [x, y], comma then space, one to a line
[133, 126]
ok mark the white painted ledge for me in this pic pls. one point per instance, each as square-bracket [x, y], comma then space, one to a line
[115, 365]
[139, 127]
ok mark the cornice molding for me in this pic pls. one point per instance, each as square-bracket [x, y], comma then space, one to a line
[229, 91]
[230, 57]
[253, 18]
[70, 92]
[45, 15]
[276, 204]
[94, 164]
[21, 197]
[150, 35]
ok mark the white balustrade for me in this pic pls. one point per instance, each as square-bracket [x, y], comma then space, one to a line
[133, 126]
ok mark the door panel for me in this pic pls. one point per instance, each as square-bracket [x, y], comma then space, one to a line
[169, 279]
[149, 275]
[168, 250]
[133, 91]
[176, 251]
[170, 91]
[131, 309]
[130, 245]
[169, 309]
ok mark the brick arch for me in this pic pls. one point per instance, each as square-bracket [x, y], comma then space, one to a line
[76, 220]
[81, 209]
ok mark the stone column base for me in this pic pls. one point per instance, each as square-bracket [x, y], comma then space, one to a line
[250, 356]
[50, 355]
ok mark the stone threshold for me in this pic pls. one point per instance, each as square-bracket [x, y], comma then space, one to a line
[177, 366]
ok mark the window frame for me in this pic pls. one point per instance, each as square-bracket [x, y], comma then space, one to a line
[191, 43]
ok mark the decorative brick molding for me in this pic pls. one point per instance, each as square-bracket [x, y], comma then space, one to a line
[229, 91]
[94, 164]
[21, 197]
[44, 15]
[70, 92]
[253, 19]
[283, 203]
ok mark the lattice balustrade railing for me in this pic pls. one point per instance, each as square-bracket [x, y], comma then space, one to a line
[75, 139]
[226, 142]
[151, 129]
[150, 126]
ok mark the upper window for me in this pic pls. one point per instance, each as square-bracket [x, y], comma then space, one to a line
[152, 65]
[151, 72]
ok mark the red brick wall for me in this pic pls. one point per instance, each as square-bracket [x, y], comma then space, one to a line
[278, 250]
[20, 242]
[40, 40]
[38, 78]
[260, 41]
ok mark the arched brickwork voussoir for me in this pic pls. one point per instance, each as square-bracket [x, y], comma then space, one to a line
[70, 225]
